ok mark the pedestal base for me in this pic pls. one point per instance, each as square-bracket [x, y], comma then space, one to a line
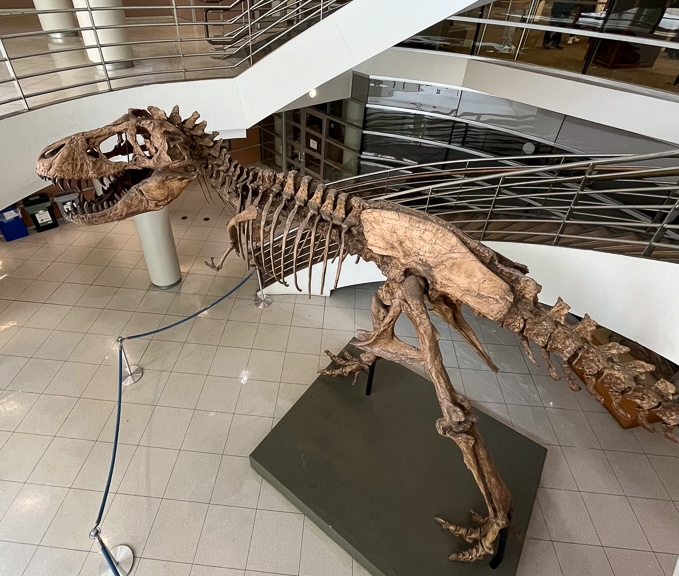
[372, 472]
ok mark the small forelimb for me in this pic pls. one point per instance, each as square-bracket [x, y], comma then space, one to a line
[247, 215]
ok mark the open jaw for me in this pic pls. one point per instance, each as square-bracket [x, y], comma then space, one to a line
[125, 193]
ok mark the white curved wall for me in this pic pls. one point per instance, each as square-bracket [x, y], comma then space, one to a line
[633, 296]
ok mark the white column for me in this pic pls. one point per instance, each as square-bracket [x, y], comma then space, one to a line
[160, 252]
[104, 36]
[58, 20]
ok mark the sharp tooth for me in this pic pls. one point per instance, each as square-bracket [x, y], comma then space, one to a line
[80, 209]
[87, 207]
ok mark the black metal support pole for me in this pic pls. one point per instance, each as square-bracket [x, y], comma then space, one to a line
[371, 375]
[501, 546]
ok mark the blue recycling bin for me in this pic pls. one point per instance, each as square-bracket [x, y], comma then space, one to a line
[11, 224]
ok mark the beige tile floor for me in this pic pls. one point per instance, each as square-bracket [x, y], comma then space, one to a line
[184, 496]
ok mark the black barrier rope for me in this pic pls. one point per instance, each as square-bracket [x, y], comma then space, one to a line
[95, 533]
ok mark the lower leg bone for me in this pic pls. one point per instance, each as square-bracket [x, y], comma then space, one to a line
[458, 423]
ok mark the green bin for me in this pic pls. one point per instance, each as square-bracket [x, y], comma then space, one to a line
[41, 211]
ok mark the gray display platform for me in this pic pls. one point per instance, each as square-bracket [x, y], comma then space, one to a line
[372, 472]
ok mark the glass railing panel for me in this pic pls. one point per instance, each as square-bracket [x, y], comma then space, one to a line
[634, 63]
[510, 115]
[448, 36]
[529, 48]
[640, 50]
[413, 95]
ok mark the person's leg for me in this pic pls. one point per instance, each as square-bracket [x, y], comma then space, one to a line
[546, 39]
[513, 15]
[556, 40]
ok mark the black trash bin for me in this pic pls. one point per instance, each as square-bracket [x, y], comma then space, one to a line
[39, 207]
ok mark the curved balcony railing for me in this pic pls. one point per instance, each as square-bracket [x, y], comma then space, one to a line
[618, 204]
[53, 55]
[58, 54]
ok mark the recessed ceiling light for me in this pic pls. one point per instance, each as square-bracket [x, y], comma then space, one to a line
[312, 93]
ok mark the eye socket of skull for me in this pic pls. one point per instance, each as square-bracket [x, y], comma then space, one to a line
[52, 151]
[143, 138]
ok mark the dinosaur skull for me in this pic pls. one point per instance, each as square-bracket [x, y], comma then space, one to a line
[139, 163]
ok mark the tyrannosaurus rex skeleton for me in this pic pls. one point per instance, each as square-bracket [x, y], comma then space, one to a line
[430, 265]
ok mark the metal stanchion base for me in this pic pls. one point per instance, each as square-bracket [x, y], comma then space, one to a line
[262, 300]
[134, 375]
[124, 559]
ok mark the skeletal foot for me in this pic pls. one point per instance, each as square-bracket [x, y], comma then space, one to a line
[482, 534]
[347, 365]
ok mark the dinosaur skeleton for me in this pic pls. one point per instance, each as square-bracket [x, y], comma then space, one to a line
[430, 266]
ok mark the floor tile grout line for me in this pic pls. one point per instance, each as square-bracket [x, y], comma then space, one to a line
[650, 466]
[67, 493]
[301, 546]
[532, 374]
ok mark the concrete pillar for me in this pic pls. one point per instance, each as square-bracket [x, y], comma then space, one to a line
[160, 252]
[104, 36]
[57, 20]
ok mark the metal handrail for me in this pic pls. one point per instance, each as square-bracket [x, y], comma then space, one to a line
[501, 202]
[261, 25]
[239, 47]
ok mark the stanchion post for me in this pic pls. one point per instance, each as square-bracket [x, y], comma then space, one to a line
[134, 373]
[116, 562]
[261, 299]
